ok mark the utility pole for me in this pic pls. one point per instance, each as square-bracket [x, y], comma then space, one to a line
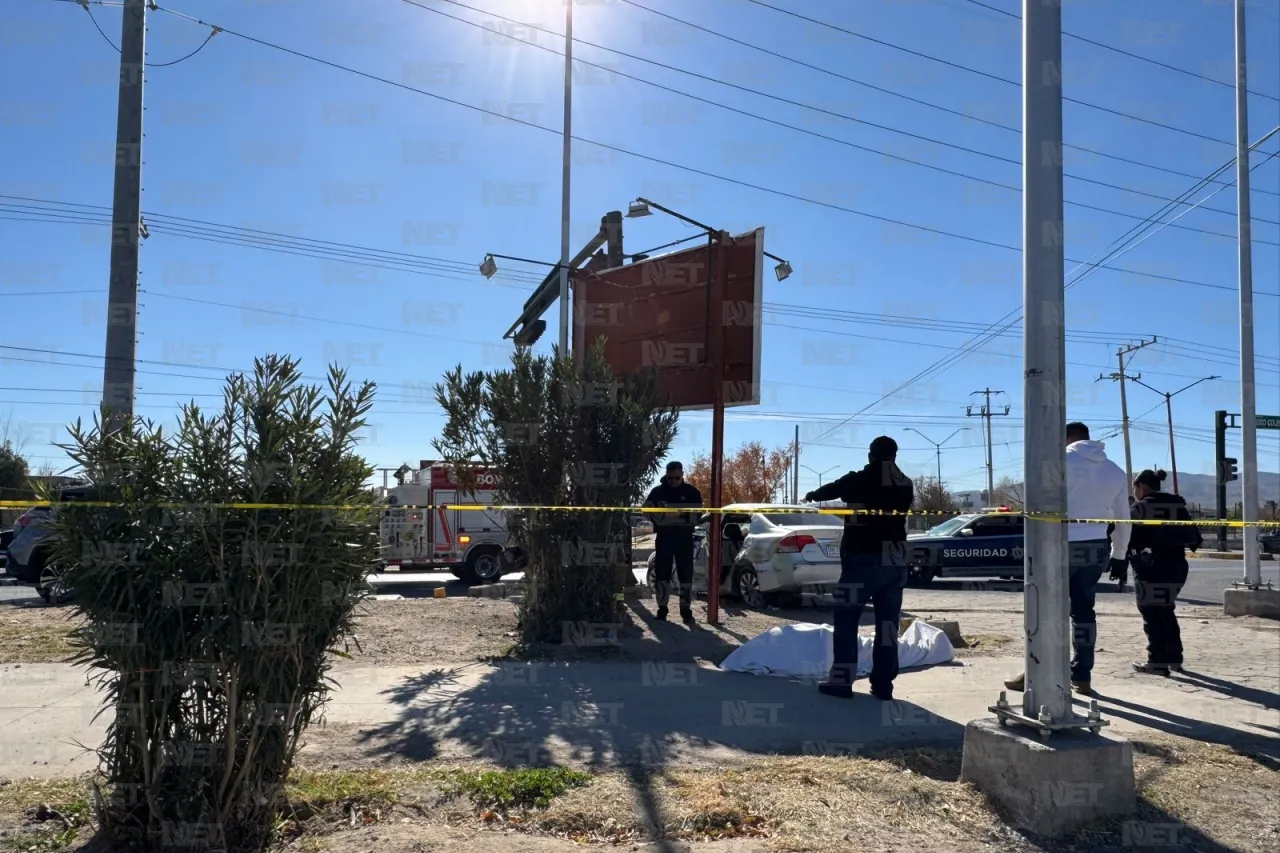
[795, 467]
[1168, 407]
[1047, 654]
[126, 223]
[567, 155]
[1124, 400]
[986, 414]
[1248, 391]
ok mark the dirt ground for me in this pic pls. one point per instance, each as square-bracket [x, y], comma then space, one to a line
[464, 630]
[1209, 799]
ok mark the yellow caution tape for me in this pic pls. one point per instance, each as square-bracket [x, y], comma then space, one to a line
[1034, 516]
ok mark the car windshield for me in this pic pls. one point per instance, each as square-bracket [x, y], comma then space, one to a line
[804, 519]
[951, 525]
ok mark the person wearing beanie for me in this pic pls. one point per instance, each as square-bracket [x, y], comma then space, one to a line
[873, 567]
[1157, 553]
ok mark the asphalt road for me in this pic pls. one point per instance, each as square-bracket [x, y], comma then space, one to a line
[1207, 581]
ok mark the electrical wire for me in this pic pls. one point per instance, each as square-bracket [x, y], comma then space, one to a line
[84, 4]
[949, 110]
[646, 157]
[1165, 65]
[806, 131]
[1127, 243]
[960, 67]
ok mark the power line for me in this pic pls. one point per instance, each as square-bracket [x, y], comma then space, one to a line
[649, 158]
[1127, 242]
[1165, 65]
[910, 98]
[959, 67]
[806, 131]
[274, 243]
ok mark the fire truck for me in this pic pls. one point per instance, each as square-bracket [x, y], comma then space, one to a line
[421, 529]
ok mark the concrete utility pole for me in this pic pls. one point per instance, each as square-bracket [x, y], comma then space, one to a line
[126, 223]
[1168, 407]
[795, 468]
[1248, 391]
[567, 155]
[1124, 400]
[986, 414]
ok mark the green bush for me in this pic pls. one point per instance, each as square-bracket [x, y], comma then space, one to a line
[209, 616]
[559, 437]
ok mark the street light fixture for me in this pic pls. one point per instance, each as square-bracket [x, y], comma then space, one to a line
[488, 266]
[782, 270]
[1168, 407]
[638, 208]
[937, 446]
[820, 474]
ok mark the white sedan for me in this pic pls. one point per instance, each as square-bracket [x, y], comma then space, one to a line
[770, 553]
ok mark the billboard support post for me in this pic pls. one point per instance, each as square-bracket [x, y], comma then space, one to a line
[716, 274]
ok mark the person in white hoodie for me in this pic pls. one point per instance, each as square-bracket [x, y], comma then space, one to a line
[1097, 489]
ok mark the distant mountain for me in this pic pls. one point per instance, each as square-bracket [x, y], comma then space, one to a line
[1196, 488]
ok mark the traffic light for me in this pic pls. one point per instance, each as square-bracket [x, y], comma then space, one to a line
[1227, 469]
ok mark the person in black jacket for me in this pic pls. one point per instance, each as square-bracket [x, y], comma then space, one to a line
[1157, 554]
[673, 540]
[873, 567]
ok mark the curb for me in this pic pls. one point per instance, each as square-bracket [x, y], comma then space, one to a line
[1229, 555]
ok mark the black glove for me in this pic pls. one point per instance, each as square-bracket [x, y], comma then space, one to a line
[808, 498]
[1119, 568]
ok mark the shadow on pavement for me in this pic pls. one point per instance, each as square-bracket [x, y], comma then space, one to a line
[1266, 698]
[1261, 749]
[641, 715]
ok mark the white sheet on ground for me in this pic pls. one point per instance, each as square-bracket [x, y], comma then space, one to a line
[804, 651]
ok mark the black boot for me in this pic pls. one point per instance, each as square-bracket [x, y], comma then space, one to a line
[661, 615]
[686, 614]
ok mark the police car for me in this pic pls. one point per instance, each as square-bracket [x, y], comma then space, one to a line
[982, 544]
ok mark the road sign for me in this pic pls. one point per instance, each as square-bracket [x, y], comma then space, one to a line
[1268, 421]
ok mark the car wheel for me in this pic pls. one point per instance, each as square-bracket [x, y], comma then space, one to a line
[650, 580]
[920, 576]
[483, 567]
[52, 585]
[746, 585]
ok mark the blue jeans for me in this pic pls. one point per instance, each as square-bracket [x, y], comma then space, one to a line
[867, 578]
[1087, 561]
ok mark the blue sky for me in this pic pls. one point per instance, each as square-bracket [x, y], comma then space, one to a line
[245, 135]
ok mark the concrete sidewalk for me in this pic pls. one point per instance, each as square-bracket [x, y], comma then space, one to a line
[609, 713]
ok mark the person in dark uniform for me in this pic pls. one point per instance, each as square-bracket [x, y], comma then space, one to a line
[673, 543]
[1158, 556]
[873, 567]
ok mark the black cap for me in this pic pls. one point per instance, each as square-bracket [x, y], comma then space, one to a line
[884, 448]
[674, 466]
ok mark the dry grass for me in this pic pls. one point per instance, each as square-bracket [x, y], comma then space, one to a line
[985, 645]
[35, 634]
[1215, 798]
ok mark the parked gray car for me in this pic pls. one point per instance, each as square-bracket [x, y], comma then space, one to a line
[29, 557]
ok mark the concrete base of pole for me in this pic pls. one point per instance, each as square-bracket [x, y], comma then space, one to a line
[1051, 787]
[1252, 602]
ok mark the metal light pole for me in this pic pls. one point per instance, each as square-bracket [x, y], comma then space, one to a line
[567, 154]
[1168, 406]
[937, 446]
[1046, 702]
[1248, 392]
[820, 474]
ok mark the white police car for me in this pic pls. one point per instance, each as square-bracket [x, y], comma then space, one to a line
[983, 544]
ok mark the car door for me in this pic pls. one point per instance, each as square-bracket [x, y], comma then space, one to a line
[997, 543]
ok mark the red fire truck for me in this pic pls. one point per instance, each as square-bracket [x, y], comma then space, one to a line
[422, 530]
